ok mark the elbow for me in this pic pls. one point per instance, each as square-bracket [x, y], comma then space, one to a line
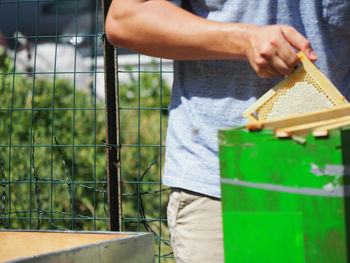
[112, 30]
[117, 27]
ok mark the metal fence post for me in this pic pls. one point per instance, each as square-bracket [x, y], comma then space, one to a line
[112, 136]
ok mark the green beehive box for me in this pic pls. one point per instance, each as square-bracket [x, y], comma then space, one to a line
[285, 200]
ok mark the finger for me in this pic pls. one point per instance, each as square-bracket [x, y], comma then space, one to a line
[279, 65]
[267, 71]
[287, 54]
[266, 74]
[298, 41]
[279, 60]
[272, 63]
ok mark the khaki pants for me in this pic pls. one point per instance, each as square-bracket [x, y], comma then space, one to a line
[195, 225]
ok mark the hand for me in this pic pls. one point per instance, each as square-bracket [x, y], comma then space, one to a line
[270, 49]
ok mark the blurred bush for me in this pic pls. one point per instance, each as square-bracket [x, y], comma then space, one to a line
[52, 157]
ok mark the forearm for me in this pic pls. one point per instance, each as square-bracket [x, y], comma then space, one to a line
[159, 28]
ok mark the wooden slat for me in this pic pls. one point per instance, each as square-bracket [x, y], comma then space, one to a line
[325, 84]
[322, 130]
[327, 114]
[282, 132]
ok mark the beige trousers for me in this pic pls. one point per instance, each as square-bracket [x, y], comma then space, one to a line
[195, 225]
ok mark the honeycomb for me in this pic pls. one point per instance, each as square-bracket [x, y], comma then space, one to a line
[302, 94]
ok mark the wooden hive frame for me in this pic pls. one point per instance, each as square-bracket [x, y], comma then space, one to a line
[306, 66]
[319, 122]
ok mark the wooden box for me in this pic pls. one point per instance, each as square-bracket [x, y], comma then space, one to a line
[96, 247]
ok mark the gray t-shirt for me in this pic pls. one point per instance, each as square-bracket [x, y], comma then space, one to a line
[211, 95]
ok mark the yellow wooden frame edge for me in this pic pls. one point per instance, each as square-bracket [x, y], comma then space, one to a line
[312, 125]
[323, 130]
[325, 84]
[326, 114]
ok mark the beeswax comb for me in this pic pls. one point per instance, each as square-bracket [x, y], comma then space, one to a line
[306, 90]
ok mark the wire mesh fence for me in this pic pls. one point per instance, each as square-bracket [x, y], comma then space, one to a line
[53, 163]
[52, 154]
[143, 111]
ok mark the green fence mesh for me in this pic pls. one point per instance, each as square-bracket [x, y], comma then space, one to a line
[52, 118]
[53, 125]
[144, 93]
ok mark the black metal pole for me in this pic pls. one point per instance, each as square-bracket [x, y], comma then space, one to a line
[112, 130]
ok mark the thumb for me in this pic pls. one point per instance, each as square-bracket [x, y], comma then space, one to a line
[298, 41]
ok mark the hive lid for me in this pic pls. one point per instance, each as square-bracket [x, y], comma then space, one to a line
[306, 90]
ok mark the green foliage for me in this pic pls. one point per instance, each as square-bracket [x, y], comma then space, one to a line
[48, 112]
[43, 184]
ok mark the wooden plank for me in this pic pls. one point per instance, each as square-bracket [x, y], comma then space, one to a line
[26, 244]
[251, 118]
[326, 114]
[282, 132]
[323, 130]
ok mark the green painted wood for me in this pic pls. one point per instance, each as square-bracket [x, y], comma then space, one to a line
[282, 200]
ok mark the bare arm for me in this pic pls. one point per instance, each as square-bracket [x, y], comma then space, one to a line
[160, 28]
